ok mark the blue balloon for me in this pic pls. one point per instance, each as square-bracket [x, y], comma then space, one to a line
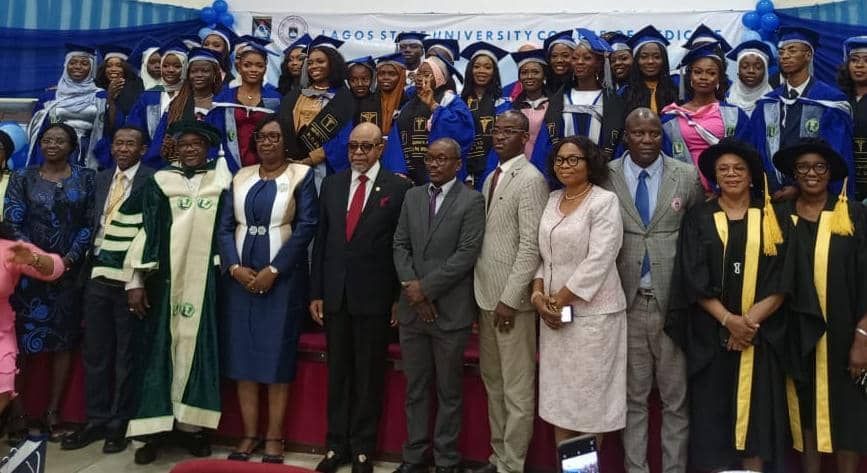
[208, 15]
[226, 19]
[220, 6]
[767, 35]
[749, 35]
[764, 7]
[770, 22]
[751, 20]
[20, 141]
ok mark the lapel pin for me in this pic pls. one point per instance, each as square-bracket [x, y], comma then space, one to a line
[376, 189]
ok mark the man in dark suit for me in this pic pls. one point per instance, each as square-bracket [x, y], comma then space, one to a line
[109, 323]
[354, 291]
[436, 244]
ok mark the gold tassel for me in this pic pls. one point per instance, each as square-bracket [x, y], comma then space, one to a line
[840, 223]
[772, 234]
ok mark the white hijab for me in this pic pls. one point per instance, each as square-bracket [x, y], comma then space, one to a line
[745, 97]
[76, 96]
[147, 79]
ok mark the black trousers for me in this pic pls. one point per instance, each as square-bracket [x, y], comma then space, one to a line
[357, 351]
[109, 355]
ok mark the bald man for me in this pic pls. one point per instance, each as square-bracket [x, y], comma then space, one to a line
[353, 292]
[655, 191]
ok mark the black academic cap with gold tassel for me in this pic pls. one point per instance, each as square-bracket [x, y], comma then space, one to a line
[772, 235]
[840, 223]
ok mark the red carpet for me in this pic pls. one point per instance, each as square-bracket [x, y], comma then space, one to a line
[305, 419]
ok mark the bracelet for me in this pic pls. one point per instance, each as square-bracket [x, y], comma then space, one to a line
[725, 319]
[35, 261]
[861, 331]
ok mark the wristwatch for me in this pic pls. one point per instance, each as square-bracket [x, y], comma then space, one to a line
[273, 269]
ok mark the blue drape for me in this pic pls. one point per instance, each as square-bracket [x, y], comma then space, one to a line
[32, 59]
[829, 54]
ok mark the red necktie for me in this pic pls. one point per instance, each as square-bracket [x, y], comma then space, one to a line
[494, 182]
[355, 207]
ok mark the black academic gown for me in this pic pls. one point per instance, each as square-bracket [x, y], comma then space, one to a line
[733, 414]
[820, 340]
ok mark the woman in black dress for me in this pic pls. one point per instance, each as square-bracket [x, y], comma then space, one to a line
[726, 292]
[826, 266]
[852, 79]
[650, 84]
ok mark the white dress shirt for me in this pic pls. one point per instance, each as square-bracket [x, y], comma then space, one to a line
[442, 195]
[130, 173]
[354, 182]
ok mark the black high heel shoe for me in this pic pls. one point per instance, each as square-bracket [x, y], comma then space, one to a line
[268, 458]
[244, 455]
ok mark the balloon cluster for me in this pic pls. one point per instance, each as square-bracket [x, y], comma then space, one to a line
[218, 12]
[762, 22]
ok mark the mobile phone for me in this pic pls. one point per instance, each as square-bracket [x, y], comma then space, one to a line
[566, 314]
[578, 455]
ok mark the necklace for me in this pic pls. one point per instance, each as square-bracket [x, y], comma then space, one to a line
[578, 195]
[320, 88]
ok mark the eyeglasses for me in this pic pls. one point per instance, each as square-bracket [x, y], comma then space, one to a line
[439, 160]
[790, 50]
[570, 161]
[196, 143]
[269, 137]
[804, 168]
[53, 141]
[506, 131]
[364, 147]
[736, 170]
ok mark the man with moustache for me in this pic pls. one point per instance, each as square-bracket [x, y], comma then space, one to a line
[109, 326]
[436, 244]
[655, 191]
[354, 291]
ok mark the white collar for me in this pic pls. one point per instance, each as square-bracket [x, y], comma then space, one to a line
[445, 187]
[800, 88]
[635, 169]
[508, 165]
[371, 173]
[130, 172]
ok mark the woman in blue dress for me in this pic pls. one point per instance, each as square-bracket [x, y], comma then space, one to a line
[237, 110]
[51, 206]
[268, 219]
[76, 101]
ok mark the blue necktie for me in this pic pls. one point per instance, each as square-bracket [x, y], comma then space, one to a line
[642, 203]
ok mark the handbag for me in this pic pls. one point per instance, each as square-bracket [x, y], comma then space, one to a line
[27, 457]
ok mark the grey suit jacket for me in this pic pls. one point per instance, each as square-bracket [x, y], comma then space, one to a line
[510, 251]
[440, 254]
[679, 189]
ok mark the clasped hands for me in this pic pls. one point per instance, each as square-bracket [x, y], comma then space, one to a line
[419, 301]
[742, 329]
[257, 282]
[548, 307]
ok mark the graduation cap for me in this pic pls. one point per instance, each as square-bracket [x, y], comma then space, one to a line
[619, 42]
[563, 37]
[592, 41]
[486, 49]
[856, 44]
[247, 40]
[411, 37]
[204, 54]
[793, 34]
[709, 50]
[394, 59]
[146, 45]
[205, 130]
[646, 35]
[702, 35]
[191, 41]
[449, 47]
[533, 55]
[256, 47]
[365, 61]
[175, 46]
[80, 49]
[302, 42]
[752, 46]
[226, 34]
[324, 41]
[109, 51]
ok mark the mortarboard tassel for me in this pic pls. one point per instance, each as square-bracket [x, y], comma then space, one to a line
[608, 80]
[771, 233]
[841, 224]
[681, 85]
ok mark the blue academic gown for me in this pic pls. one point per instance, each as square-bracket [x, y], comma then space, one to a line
[86, 152]
[145, 114]
[735, 121]
[222, 117]
[821, 112]
[452, 119]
